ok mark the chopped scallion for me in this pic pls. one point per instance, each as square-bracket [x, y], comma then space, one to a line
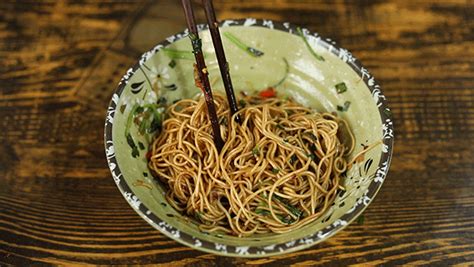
[262, 212]
[255, 151]
[341, 87]
[311, 50]
[172, 63]
[345, 107]
[298, 213]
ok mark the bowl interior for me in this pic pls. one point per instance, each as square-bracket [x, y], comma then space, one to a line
[288, 64]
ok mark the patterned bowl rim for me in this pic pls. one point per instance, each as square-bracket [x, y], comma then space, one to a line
[274, 249]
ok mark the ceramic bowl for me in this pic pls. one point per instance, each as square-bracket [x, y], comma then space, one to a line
[311, 69]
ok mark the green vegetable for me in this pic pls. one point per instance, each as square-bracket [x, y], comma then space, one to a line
[263, 203]
[293, 159]
[195, 42]
[162, 101]
[143, 126]
[155, 125]
[178, 54]
[298, 213]
[341, 88]
[255, 151]
[135, 152]
[172, 64]
[151, 106]
[345, 107]
[171, 87]
[314, 137]
[242, 103]
[131, 143]
[262, 212]
[139, 110]
[317, 56]
[122, 108]
[198, 216]
[287, 70]
[250, 50]
[286, 219]
[275, 170]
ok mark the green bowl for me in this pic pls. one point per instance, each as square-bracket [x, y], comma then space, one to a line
[298, 63]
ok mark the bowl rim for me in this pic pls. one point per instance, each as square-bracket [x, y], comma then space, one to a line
[274, 249]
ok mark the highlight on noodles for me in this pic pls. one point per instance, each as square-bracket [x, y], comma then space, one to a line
[279, 170]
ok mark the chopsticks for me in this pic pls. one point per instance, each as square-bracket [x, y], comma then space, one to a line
[223, 64]
[201, 73]
[200, 69]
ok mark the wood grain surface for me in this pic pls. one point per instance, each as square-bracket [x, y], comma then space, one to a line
[61, 60]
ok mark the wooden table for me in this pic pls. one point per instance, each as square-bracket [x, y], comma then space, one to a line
[60, 62]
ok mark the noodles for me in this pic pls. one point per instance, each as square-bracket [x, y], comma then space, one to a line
[279, 170]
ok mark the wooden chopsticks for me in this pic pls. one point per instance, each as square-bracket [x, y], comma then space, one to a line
[201, 72]
[223, 64]
[202, 80]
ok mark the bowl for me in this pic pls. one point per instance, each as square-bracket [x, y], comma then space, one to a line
[261, 53]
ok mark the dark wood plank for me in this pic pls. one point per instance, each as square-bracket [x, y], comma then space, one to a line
[60, 61]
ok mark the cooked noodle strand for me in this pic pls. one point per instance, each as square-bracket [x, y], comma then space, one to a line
[279, 170]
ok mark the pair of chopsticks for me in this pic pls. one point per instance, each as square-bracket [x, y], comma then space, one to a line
[200, 67]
